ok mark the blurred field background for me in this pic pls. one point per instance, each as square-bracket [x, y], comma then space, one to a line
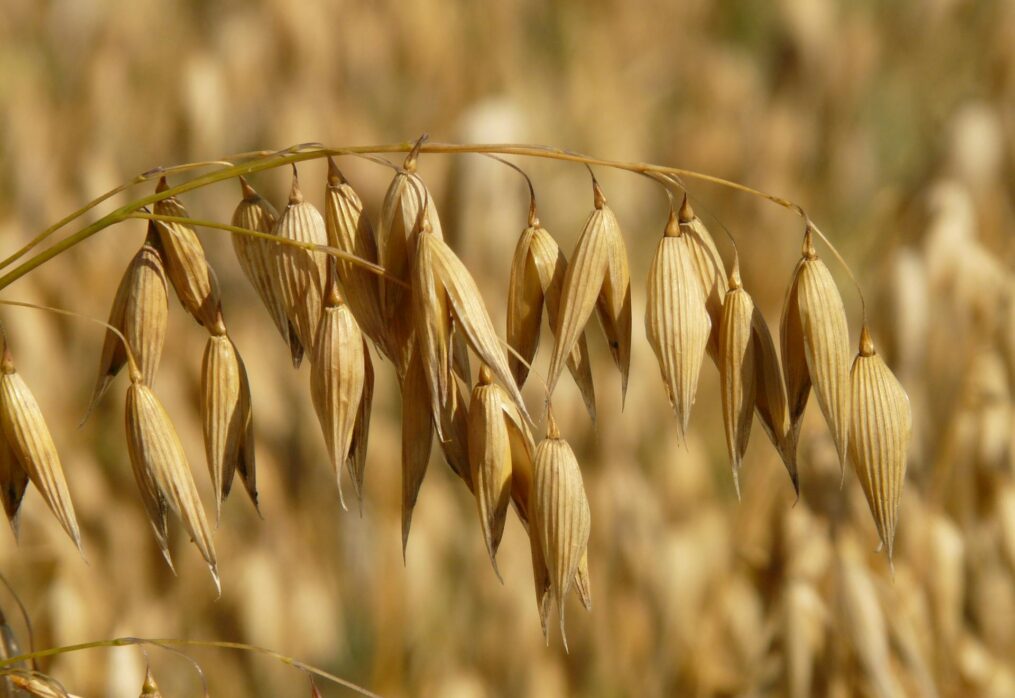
[893, 124]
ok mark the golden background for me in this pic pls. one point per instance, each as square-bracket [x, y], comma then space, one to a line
[891, 123]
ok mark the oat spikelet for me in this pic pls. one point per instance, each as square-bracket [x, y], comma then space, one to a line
[357, 460]
[454, 423]
[186, 264]
[28, 438]
[348, 229]
[772, 408]
[257, 259]
[709, 269]
[561, 510]
[737, 370]
[158, 456]
[495, 431]
[13, 483]
[225, 412]
[880, 430]
[417, 438]
[407, 204]
[540, 578]
[537, 278]
[598, 277]
[676, 321]
[141, 312]
[337, 379]
[815, 341]
[445, 292]
[299, 274]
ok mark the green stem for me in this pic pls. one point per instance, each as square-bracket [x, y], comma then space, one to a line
[176, 642]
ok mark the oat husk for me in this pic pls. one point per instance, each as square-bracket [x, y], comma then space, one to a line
[815, 347]
[299, 274]
[337, 379]
[770, 397]
[537, 279]
[186, 265]
[348, 229]
[676, 320]
[737, 370]
[13, 483]
[257, 259]
[709, 270]
[162, 471]
[225, 414]
[141, 312]
[561, 512]
[597, 278]
[417, 438]
[29, 440]
[880, 429]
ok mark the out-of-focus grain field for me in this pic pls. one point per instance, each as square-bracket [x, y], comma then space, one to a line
[892, 124]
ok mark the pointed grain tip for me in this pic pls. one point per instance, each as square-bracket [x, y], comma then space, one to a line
[335, 176]
[672, 229]
[599, 198]
[866, 343]
[807, 247]
[248, 191]
[295, 193]
[686, 212]
[162, 185]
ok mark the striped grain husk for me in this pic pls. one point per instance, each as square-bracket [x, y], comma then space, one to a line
[815, 346]
[299, 274]
[676, 321]
[492, 419]
[407, 204]
[338, 378]
[29, 440]
[771, 403]
[880, 429]
[187, 267]
[257, 259]
[443, 293]
[13, 483]
[141, 312]
[597, 278]
[348, 229]
[709, 269]
[737, 370]
[537, 279]
[162, 471]
[225, 415]
[561, 512]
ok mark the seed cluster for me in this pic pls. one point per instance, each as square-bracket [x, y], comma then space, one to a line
[426, 315]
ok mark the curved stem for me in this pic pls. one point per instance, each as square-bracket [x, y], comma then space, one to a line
[302, 152]
[177, 642]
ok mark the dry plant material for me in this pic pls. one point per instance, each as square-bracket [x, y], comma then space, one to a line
[770, 397]
[597, 278]
[257, 260]
[38, 685]
[454, 423]
[676, 320]
[709, 270]
[140, 312]
[537, 279]
[225, 415]
[338, 381]
[163, 473]
[561, 512]
[407, 204]
[863, 624]
[31, 444]
[417, 438]
[299, 273]
[815, 346]
[444, 295]
[348, 229]
[880, 430]
[737, 370]
[188, 268]
[13, 483]
[496, 429]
